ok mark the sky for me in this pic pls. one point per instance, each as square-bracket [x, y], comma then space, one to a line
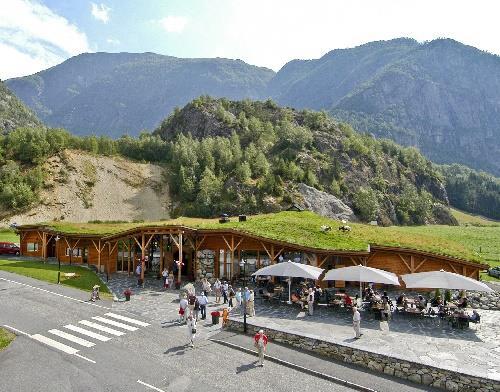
[38, 34]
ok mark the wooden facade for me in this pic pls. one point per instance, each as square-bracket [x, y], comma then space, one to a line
[217, 253]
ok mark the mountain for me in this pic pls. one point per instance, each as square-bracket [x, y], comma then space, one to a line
[13, 113]
[440, 96]
[123, 93]
[250, 156]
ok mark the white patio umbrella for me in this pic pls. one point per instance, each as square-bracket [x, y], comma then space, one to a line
[443, 280]
[290, 270]
[360, 273]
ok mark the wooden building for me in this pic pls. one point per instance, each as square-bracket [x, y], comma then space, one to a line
[217, 252]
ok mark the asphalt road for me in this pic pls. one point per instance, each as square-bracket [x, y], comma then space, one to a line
[156, 355]
[151, 357]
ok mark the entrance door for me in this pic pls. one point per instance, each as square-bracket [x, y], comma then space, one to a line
[85, 255]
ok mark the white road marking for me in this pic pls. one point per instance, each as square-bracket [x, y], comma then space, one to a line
[72, 338]
[16, 330]
[115, 323]
[102, 328]
[127, 319]
[51, 343]
[59, 295]
[55, 344]
[94, 335]
[87, 359]
[150, 386]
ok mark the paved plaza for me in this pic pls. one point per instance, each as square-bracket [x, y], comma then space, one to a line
[474, 351]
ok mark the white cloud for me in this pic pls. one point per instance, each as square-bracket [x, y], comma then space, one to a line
[173, 24]
[113, 41]
[291, 29]
[100, 12]
[33, 38]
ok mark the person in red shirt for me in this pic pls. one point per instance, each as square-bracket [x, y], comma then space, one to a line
[347, 300]
[260, 342]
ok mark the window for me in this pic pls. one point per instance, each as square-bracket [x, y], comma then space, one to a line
[32, 247]
[77, 252]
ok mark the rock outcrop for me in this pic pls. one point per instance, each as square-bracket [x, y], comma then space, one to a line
[324, 203]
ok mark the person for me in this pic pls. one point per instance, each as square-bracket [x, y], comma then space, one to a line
[347, 300]
[191, 302]
[225, 289]
[238, 297]
[171, 280]
[318, 292]
[164, 275]
[138, 270]
[260, 342]
[217, 289]
[475, 317]
[436, 301]
[232, 294]
[94, 296]
[251, 304]
[310, 301]
[386, 309]
[183, 306]
[196, 308]
[225, 316]
[203, 301]
[462, 303]
[191, 328]
[356, 322]
[206, 287]
[401, 301]
[421, 302]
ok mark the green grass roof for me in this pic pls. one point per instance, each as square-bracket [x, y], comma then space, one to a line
[481, 244]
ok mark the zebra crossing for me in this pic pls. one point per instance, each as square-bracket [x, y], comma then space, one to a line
[70, 336]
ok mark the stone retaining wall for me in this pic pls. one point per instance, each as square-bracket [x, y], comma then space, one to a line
[408, 370]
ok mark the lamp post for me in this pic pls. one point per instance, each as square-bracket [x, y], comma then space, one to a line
[243, 264]
[58, 260]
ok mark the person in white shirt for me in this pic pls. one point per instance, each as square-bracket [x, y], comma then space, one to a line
[251, 304]
[191, 329]
[217, 289]
[310, 301]
[164, 275]
[356, 322]
[203, 301]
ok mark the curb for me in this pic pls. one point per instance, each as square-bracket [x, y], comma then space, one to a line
[297, 367]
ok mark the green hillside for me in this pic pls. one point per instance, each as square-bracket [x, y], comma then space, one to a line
[13, 113]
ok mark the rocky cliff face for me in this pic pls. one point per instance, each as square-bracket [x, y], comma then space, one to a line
[440, 96]
[324, 203]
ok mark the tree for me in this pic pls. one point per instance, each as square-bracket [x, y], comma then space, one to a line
[366, 204]
[243, 172]
[210, 189]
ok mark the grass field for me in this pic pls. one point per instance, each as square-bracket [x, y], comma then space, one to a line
[8, 235]
[466, 219]
[5, 338]
[85, 280]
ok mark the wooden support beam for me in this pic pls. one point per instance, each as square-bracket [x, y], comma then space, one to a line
[173, 239]
[179, 270]
[322, 260]
[405, 262]
[420, 264]
[412, 264]
[143, 261]
[453, 268]
[353, 261]
[161, 254]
